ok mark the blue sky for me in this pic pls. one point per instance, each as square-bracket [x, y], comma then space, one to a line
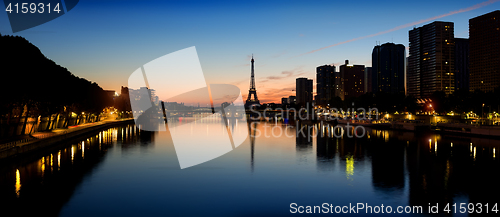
[105, 41]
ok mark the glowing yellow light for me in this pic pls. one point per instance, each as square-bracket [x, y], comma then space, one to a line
[83, 150]
[474, 152]
[18, 183]
[59, 159]
[72, 153]
[493, 152]
[471, 147]
[452, 144]
[349, 167]
[51, 160]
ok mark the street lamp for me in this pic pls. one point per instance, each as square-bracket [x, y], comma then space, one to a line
[482, 112]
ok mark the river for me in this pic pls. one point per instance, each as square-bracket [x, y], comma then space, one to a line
[126, 172]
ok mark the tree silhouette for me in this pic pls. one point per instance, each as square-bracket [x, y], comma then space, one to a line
[33, 85]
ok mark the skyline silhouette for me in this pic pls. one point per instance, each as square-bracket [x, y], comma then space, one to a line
[102, 48]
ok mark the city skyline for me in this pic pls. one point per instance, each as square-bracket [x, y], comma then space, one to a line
[130, 108]
[286, 45]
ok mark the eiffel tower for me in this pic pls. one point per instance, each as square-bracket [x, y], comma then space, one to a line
[255, 101]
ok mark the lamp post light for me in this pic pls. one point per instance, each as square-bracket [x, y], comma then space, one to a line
[482, 114]
[482, 111]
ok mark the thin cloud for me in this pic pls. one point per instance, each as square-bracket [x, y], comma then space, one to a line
[474, 7]
[285, 74]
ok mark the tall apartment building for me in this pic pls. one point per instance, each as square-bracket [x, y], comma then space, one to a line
[352, 80]
[462, 74]
[325, 84]
[388, 65]
[368, 80]
[484, 36]
[304, 89]
[431, 59]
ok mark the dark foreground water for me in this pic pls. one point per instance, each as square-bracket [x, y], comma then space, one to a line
[124, 172]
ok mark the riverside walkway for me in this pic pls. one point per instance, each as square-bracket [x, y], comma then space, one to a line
[41, 140]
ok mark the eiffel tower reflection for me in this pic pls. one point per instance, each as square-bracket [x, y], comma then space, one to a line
[252, 125]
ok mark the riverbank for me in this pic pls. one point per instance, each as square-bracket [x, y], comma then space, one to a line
[415, 126]
[47, 140]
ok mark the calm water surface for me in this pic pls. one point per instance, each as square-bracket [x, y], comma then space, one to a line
[125, 172]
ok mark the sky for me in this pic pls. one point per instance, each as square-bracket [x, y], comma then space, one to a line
[105, 41]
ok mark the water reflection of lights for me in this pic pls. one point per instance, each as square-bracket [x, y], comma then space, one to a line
[447, 173]
[42, 165]
[349, 166]
[474, 153]
[493, 153]
[51, 162]
[59, 160]
[83, 150]
[72, 153]
[18, 182]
